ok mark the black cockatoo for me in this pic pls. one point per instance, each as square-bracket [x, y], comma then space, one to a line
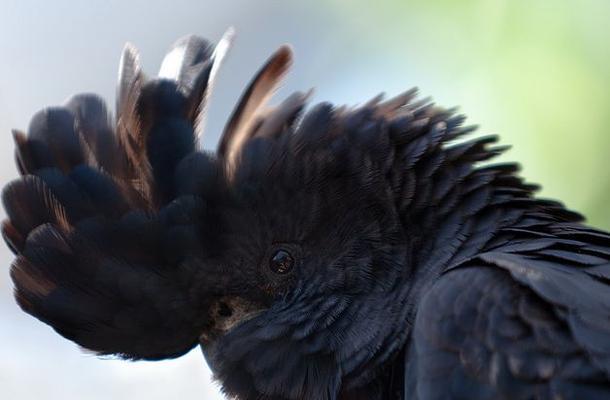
[335, 253]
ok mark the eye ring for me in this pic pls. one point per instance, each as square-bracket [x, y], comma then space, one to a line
[281, 261]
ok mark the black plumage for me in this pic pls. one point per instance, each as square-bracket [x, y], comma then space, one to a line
[336, 253]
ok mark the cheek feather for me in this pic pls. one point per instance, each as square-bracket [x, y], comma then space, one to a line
[227, 313]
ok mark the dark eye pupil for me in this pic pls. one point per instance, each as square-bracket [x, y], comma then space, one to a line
[281, 262]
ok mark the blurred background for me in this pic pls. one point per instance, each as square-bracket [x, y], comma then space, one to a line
[537, 72]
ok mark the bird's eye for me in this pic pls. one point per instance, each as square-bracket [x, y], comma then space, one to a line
[281, 262]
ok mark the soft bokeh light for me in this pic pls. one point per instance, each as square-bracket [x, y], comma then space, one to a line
[536, 72]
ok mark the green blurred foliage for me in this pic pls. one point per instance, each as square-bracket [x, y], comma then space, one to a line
[536, 72]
